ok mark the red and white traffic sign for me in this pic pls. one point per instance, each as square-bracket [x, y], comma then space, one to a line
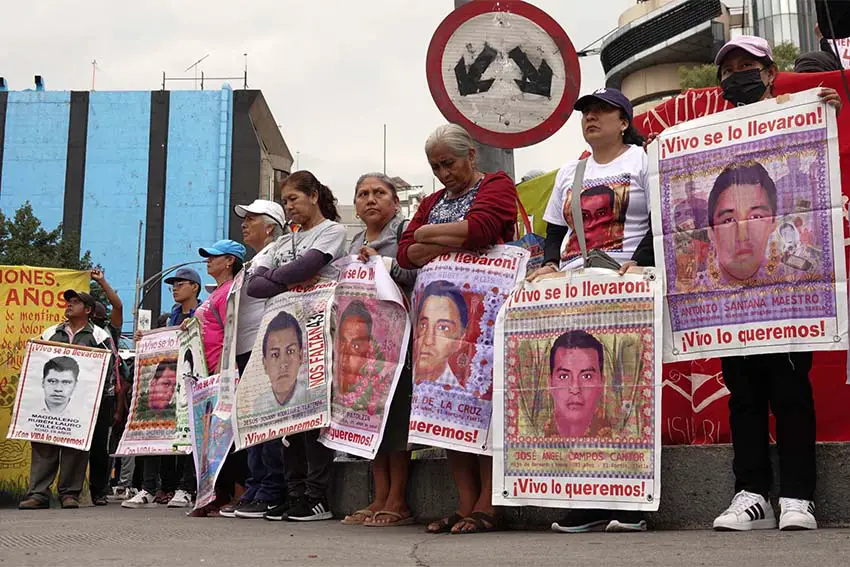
[505, 71]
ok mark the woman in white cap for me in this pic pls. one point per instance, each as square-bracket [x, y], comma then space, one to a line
[746, 70]
[615, 210]
[263, 224]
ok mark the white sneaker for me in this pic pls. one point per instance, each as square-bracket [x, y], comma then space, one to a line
[143, 499]
[797, 514]
[181, 499]
[748, 511]
[121, 493]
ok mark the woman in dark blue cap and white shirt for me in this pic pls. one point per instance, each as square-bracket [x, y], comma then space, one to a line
[615, 215]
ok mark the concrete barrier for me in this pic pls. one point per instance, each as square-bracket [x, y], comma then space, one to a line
[697, 484]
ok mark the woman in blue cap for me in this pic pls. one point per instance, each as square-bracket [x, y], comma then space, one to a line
[615, 216]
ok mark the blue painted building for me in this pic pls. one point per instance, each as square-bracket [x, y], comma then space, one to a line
[102, 162]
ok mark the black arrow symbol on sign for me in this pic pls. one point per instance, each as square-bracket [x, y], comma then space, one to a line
[534, 81]
[469, 80]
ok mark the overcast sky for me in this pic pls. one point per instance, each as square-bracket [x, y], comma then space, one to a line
[333, 71]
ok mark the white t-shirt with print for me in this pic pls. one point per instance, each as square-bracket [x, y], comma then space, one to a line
[328, 237]
[615, 207]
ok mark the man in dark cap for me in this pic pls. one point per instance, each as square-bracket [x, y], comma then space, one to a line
[77, 329]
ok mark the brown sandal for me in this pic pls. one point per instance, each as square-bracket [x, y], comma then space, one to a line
[482, 521]
[445, 525]
[351, 520]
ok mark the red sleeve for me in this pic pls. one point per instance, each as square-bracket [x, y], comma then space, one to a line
[420, 218]
[492, 217]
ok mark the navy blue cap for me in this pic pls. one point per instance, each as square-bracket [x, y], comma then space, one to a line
[611, 96]
[184, 274]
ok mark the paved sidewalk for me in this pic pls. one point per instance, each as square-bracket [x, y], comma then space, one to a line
[93, 537]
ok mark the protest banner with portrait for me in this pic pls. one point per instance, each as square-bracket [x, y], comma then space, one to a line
[192, 366]
[748, 231]
[152, 421]
[32, 301]
[577, 399]
[285, 388]
[228, 371]
[370, 331]
[211, 436]
[456, 300]
[59, 394]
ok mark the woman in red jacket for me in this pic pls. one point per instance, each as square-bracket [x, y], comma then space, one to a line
[473, 211]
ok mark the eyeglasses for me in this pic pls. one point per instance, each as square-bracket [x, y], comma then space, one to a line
[178, 285]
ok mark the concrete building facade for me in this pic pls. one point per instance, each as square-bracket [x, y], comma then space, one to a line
[103, 162]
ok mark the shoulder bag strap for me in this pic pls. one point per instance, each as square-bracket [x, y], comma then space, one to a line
[575, 205]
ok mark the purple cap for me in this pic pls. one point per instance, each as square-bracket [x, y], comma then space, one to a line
[610, 96]
[755, 46]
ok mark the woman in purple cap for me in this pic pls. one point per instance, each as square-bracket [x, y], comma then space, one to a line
[615, 218]
[779, 381]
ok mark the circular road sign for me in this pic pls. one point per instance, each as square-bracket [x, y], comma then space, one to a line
[505, 71]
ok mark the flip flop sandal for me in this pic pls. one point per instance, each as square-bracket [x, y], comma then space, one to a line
[353, 521]
[398, 519]
[480, 521]
[445, 525]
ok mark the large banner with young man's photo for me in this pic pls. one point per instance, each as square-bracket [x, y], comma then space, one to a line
[59, 394]
[748, 231]
[286, 385]
[456, 300]
[577, 395]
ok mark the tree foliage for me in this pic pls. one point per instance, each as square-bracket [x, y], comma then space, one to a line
[703, 76]
[24, 241]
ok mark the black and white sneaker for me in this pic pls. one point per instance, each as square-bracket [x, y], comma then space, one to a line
[796, 514]
[280, 512]
[309, 510]
[748, 511]
[253, 510]
[580, 521]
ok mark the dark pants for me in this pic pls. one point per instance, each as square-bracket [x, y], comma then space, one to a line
[47, 460]
[779, 382]
[188, 482]
[307, 466]
[159, 471]
[99, 452]
[265, 479]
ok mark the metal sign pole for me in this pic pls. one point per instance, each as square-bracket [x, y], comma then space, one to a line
[492, 159]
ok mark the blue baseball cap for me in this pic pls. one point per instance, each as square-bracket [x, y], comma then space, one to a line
[184, 274]
[610, 96]
[223, 247]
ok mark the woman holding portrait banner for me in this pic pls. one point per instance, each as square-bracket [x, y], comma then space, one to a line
[614, 204]
[473, 211]
[741, 212]
[377, 205]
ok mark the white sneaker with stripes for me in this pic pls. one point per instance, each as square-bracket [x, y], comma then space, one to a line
[748, 511]
[796, 514]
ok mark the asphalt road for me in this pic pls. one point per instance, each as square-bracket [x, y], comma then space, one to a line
[92, 537]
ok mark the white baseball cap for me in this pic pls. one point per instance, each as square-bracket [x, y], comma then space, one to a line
[262, 207]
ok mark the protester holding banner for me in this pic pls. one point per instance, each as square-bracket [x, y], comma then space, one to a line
[263, 223]
[615, 218]
[301, 256]
[473, 211]
[99, 453]
[779, 381]
[71, 464]
[377, 205]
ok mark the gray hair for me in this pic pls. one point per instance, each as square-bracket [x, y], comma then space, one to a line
[277, 231]
[455, 137]
[383, 178]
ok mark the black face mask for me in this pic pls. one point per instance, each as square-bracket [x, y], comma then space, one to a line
[744, 87]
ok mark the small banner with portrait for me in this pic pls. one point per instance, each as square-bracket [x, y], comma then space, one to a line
[228, 371]
[371, 330]
[191, 367]
[748, 230]
[59, 394]
[577, 401]
[211, 437]
[152, 422]
[456, 300]
[286, 387]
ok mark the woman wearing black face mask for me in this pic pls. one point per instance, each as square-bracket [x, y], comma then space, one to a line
[779, 381]
[746, 71]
